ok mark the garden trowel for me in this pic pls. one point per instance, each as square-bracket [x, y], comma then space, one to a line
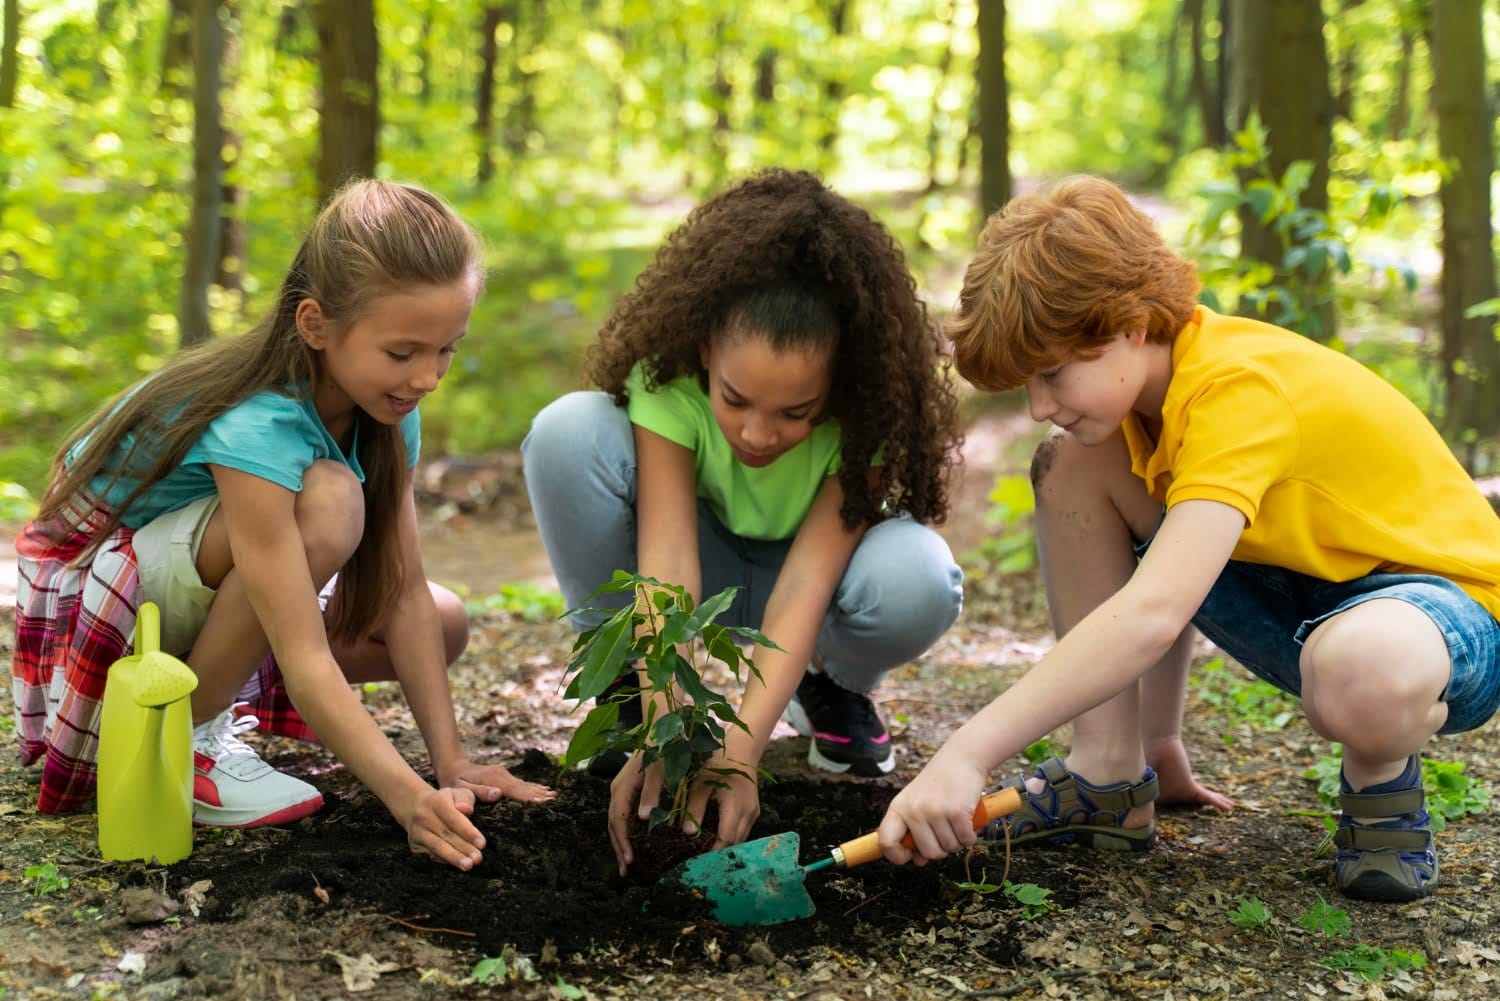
[761, 883]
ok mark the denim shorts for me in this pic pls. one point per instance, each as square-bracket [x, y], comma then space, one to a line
[1261, 615]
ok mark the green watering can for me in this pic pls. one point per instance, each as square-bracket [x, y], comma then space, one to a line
[145, 782]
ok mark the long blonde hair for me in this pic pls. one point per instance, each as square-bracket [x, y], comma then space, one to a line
[372, 238]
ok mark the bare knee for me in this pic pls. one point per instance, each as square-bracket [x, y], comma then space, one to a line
[330, 513]
[454, 619]
[1056, 444]
[1373, 677]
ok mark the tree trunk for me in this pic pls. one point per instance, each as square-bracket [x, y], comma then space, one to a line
[484, 105]
[935, 109]
[994, 110]
[231, 270]
[10, 71]
[1471, 354]
[1348, 69]
[202, 247]
[521, 114]
[840, 13]
[177, 48]
[1280, 69]
[349, 121]
[1400, 113]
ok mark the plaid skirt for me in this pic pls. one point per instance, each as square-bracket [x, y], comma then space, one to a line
[74, 620]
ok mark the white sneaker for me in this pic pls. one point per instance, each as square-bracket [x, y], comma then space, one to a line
[233, 787]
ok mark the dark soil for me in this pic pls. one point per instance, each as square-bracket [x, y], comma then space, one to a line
[337, 907]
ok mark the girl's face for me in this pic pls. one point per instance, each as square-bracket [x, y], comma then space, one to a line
[388, 358]
[1090, 397]
[765, 402]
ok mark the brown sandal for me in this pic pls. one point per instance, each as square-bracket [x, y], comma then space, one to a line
[1072, 811]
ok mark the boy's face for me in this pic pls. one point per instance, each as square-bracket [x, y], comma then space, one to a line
[1091, 396]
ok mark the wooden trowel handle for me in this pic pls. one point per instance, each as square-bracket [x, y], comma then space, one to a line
[867, 848]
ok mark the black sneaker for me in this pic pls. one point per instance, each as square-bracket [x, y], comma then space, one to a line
[607, 764]
[846, 731]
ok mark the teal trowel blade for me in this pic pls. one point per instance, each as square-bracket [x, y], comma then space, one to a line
[756, 883]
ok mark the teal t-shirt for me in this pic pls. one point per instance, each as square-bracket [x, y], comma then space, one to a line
[766, 503]
[268, 435]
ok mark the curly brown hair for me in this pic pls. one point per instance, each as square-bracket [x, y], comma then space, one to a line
[892, 391]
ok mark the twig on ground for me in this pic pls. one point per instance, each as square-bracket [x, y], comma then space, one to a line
[867, 900]
[408, 923]
[1074, 974]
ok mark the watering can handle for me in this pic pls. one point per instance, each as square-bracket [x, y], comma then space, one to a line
[867, 848]
[147, 628]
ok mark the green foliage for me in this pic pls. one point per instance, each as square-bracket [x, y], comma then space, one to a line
[1039, 750]
[1011, 548]
[16, 502]
[981, 885]
[525, 600]
[508, 966]
[1241, 696]
[45, 880]
[567, 991]
[490, 970]
[1251, 912]
[1032, 898]
[1449, 793]
[1372, 962]
[1324, 919]
[684, 722]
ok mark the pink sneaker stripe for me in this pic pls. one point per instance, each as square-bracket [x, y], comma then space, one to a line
[833, 737]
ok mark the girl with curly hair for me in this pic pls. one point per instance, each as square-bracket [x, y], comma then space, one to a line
[775, 414]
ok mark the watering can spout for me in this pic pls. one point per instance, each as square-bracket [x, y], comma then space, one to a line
[145, 781]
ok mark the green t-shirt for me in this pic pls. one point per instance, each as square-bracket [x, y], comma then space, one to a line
[766, 503]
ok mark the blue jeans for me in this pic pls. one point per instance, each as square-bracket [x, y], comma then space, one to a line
[1261, 615]
[900, 592]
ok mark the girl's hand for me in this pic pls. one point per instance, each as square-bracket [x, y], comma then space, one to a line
[492, 783]
[936, 809]
[1174, 775]
[739, 804]
[438, 825]
[633, 788]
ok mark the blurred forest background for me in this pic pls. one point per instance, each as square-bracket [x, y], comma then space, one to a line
[1330, 165]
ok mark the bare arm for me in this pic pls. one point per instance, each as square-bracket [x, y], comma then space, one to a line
[269, 555]
[1113, 646]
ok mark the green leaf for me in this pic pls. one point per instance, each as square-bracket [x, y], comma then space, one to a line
[592, 734]
[1325, 919]
[667, 728]
[605, 658]
[713, 608]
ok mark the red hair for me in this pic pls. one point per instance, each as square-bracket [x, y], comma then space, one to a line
[1059, 275]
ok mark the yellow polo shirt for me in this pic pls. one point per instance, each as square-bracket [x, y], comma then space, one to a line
[1337, 474]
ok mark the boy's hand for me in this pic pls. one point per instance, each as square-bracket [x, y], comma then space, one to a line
[936, 809]
[492, 783]
[438, 825]
[739, 804]
[1174, 776]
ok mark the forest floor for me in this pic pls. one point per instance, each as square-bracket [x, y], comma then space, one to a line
[336, 907]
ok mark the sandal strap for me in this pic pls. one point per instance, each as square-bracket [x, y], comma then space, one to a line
[1077, 796]
[1359, 838]
[1382, 804]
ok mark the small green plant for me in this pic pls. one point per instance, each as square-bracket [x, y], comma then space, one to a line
[1324, 919]
[1032, 898]
[1039, 750]
[525, 600]
[1260, 705]
[1251, 912]
[981, 885]
[1372, 962]
[1012, 547]
[491, 970]
[45, 880]
[567, 991]
[643, 642]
